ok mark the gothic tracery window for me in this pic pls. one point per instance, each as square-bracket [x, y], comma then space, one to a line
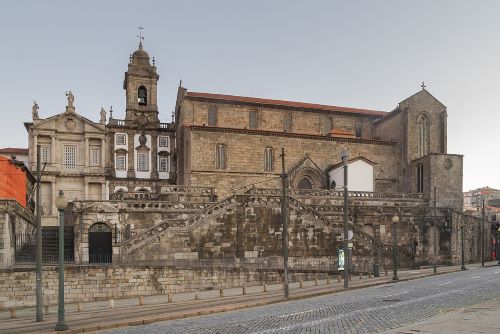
[268, 159]
[423, 135]
[220, 156]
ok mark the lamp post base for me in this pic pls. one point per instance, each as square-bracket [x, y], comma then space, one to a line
[395, 278]
[61, 327]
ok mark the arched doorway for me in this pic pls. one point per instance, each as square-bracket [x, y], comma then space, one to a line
[100, 243]
[305, 184]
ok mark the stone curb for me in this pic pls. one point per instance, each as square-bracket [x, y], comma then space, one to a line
[221, 309]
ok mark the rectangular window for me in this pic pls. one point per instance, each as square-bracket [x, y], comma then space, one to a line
[163, 164]
[220, 156]
[70, 156]
[287, 122]
[44, 154]
[327, 125]
[268, 160]
[94, 156]
[120, 162]
[212, 116]
[252, 120]
[120, 139]
[163, 141]
[143, 162]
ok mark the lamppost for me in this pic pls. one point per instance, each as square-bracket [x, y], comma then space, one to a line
[482, 237]
[344, 155]
[497, 244]
[61, 204]
[462, 244]
[395, 220]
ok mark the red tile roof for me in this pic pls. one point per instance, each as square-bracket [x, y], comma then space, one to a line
[282, 103]
[14, 150]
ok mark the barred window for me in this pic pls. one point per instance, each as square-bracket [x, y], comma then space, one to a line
[143, 161]
[120, 161]
[70, 156]
[252, 120]
[163, 141]
[120, 139]
[220, 156]
[212, 116]
[44, 154]
[268, 160]
[94, 156]
[287, 122]
[163, 164]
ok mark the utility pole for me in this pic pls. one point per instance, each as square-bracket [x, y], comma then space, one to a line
[284, 217]
[39, 302]
[344, 156]
[482, 237]
[435, 233]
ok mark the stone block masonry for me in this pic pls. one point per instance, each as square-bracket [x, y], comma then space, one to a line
[93, 283]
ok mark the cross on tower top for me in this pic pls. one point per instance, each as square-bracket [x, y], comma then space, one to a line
[141, 38]
[423, 85]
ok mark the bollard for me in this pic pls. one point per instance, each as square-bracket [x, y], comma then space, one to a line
[80, 307]
[221, 293]
[350, 277]
[196, 297]
[339, 278]
[360, 275]
[369, 275]
[265, 287]
[169, 296]
[316, 281]
[328, 280]
[111, 303]
[301, 284]
[385, 271]
[244, 290]
[47, 309]
[13, 313]
[141, 300]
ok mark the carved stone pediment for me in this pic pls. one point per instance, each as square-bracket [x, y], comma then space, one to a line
[101, 207]
[308, 172]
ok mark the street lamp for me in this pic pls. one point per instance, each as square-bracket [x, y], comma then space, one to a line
[497, 244]
[462, 243]
[61, 204]
[395, 220]
[344, 155]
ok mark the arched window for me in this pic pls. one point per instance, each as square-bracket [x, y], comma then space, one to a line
[287, 122]
[252, 119]
[423, 135]
[142, 96]
[268, 159]
[212, 116]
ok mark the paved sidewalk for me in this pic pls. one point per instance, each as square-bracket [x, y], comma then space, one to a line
[480, 318]
[99, 316]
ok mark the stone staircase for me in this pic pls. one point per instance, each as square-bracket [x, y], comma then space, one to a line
[50, 246]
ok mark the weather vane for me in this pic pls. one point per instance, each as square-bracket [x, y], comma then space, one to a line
[141, 38]
[423, 85]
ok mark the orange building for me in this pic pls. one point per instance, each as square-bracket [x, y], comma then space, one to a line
[12, 181]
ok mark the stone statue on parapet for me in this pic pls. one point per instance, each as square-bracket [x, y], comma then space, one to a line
[34, 110]
[71, 99]
[103, 116]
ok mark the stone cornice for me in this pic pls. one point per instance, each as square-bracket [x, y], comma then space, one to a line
[289, 135]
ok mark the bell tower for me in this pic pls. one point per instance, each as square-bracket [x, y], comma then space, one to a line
[140, 84]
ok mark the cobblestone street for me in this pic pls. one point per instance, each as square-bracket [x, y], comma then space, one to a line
[370, 310]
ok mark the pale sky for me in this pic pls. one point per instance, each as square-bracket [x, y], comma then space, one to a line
[365, 54]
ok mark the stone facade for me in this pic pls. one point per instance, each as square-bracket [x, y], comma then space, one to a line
[223, 141]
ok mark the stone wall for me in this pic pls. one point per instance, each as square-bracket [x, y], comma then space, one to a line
[91, 283]
[472, 238]
[245, 158]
